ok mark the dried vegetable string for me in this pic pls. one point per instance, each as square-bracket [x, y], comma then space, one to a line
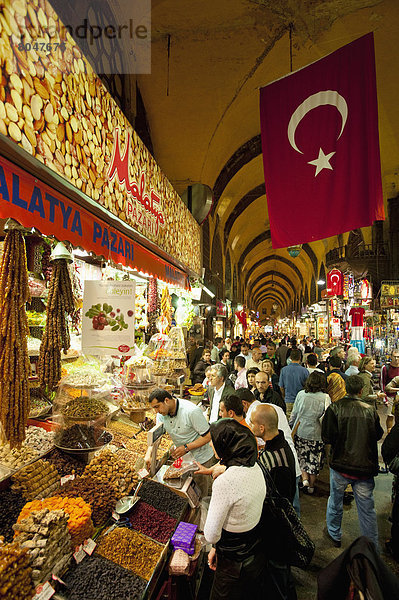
[56, 334]
[14, 359]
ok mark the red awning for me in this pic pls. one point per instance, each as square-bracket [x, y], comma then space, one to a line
[35, 204]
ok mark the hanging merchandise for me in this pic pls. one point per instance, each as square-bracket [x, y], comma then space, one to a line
[56, 334]
[166, 311]
[14, 360]
[153, 304]
[357, 340]
[335, 283]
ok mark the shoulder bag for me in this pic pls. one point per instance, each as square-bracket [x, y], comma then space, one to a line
[393, 466]
[285, 539]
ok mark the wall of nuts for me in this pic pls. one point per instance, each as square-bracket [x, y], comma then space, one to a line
[54, 106]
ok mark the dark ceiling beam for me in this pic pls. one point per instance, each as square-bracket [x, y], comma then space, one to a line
[282, 302]
[237, 211]
[262, 237]
[312, 257]
[275, 274]
[276, 258]
[269, 284]
[242, 156]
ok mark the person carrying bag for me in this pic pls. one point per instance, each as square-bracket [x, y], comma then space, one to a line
[285, 538]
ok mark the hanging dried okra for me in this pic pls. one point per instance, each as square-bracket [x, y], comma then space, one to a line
[14, 359]
[56, 334]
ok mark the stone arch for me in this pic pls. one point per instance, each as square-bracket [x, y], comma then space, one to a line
[313, 292]
[322, 277]
[217, 265]
[227, 276]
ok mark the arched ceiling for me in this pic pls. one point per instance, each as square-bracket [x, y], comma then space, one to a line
[202, 102]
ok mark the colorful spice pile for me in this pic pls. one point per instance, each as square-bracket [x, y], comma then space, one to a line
[81, 437]
[37, 480]
[162, 498]
[80, 525]
[87, 408]
[14, 359]
[131, 550]
[65, 464]
[11, 504]
[100, 496]
[96, 577]
[15, 573]
[152, 522]
[56, 334]
[45, 535]
[108, 468]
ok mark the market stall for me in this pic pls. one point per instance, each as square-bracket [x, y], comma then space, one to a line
[77, 213]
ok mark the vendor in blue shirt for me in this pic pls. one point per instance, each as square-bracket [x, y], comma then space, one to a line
[188, 428]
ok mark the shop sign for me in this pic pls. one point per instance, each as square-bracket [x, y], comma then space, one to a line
[335, 328]
[33, 203]
[363, 290]
[108, 317]
[390, 288]
[220, 308]
[68, 120]
[335, 282]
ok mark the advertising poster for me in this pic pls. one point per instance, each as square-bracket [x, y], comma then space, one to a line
[108, 317]
[335, 328]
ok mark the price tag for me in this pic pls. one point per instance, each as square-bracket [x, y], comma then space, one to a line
[89, 546]
[44, 592]
[67, 478]
[143, 473]
[56, 578]
[79, 553]
[115, 516]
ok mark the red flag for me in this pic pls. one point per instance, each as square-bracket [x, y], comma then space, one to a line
[320, 145]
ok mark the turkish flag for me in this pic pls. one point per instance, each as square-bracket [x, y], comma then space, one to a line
[321, 156]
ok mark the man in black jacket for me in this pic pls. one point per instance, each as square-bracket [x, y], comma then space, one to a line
[265, 393]
[352, 428]
[389, 450]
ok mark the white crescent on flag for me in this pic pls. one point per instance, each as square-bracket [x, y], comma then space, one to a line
[322, 98]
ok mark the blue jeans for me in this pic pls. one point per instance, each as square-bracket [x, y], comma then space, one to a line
[363, 492]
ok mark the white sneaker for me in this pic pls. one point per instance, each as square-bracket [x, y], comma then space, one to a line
[310, 490]
[305, 483]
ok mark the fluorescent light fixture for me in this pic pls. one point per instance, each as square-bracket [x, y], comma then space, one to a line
[321, 282]
[211, 294]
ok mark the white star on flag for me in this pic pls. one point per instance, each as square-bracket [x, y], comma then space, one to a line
[322, 161]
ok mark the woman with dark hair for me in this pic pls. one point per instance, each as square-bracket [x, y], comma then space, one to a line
[251, 374]
[234, 513]
[309, 407]
[201, 366]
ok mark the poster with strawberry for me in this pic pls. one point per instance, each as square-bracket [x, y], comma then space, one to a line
[108, 317]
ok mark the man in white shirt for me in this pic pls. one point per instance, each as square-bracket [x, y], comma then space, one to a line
[245, 351]
[353, 365]
[256, 360]
[218, 390]
[248, 401]
[239, 365]
[312, 364]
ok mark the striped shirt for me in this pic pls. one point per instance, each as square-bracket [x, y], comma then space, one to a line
[279, 460]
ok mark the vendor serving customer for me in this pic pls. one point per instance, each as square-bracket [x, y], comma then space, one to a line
[188, 428]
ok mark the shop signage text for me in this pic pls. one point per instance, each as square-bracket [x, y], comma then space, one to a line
[152, 217]
[35, 204]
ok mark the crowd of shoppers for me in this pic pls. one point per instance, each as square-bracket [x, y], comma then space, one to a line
[331, 406]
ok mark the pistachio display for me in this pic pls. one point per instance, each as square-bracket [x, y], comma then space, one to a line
[87, 408]
[14, 359]
[56, 334]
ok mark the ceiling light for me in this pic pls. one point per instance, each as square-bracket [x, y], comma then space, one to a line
[321, 282]
[207, 291]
